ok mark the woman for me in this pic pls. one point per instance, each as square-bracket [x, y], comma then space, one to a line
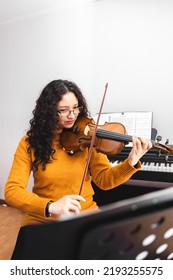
[57, 175]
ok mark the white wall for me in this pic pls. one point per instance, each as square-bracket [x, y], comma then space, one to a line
[127, 43]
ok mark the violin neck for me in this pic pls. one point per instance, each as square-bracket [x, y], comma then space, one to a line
[100, 133]
[113, 135]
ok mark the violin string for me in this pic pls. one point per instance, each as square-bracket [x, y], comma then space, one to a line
[127, 138]
[113, 135]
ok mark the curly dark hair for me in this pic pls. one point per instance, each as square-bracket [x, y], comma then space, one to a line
[45, 119]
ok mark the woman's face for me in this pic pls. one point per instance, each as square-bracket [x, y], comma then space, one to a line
[68, 110]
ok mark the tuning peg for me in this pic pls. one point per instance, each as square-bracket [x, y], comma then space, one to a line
[166, 157]
[167, 141]
[159, 138]
[76, 129]
[159, 153]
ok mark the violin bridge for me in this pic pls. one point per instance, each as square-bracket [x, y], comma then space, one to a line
[86, 130]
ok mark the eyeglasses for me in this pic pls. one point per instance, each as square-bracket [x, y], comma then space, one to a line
[67, 112]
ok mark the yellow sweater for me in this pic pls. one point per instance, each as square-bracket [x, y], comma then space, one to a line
[62, 177]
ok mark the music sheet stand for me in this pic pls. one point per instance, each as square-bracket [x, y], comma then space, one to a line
[136, 228]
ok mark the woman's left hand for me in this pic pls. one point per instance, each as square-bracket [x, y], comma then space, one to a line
[140, 147]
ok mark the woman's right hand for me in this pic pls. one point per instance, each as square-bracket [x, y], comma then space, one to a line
[67, 205]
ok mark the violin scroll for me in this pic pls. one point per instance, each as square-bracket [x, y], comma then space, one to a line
[168, 149]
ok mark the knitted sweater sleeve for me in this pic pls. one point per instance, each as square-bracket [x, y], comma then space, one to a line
[107, 177]
[16, 193]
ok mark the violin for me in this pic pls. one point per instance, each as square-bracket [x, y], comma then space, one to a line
[111, 137]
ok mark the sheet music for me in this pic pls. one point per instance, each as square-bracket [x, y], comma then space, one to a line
[136, 123]
[127, 119]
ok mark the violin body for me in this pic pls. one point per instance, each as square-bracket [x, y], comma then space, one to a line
[79, 137]
[110, 137]
[106, 144]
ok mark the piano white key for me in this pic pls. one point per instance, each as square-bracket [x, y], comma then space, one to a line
[171, 168]
[157, 166]
[166, 167]
[152, 166]
[145, 166]
[163, 167]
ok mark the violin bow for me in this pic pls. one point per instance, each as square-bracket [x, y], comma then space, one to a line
[92, 141]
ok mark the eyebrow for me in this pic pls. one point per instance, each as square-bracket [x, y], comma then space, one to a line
[68, 106]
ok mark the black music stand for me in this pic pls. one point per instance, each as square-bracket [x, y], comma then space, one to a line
[136, 228]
